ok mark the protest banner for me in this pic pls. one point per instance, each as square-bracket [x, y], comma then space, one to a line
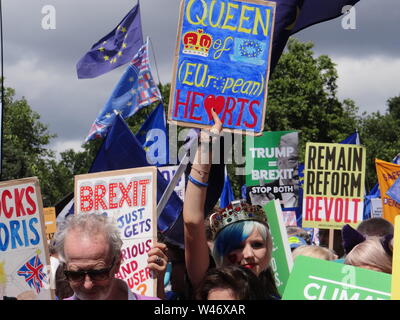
[333, 193]
[317, 279]
[272, 171]
[281, 261]
[129, 197]
[24, 257]
[222, 61]
[388, 174]
[168, 173]
[50, 222]
[396, 261]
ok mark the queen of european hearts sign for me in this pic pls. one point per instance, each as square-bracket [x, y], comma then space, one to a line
[222, 62]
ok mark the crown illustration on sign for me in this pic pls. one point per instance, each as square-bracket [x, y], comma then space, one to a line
[238, 210]
[197, 43]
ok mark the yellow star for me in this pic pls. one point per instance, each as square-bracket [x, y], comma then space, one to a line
[124, 45]
[106, 58]
[120, 53]
[104, 42]
[101, 49]
[123, 29]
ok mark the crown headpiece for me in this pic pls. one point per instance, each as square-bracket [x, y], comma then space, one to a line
[238, 210]
[197, 43]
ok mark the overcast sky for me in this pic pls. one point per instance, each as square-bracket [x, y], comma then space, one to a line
[40, 64]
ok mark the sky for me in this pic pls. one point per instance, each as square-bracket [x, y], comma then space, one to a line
[41, 64]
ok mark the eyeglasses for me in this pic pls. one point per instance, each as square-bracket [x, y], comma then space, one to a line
[95, 275]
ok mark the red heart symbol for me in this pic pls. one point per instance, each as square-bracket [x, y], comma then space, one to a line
[212, 101]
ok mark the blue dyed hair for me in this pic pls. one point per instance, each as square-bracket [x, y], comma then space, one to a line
[231, 237]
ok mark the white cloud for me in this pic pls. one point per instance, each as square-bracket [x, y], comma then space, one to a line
[369, 81]
[63, 145]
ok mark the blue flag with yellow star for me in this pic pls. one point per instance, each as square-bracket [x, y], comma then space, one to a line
[154, 138]
[115, 49]
[135, 90]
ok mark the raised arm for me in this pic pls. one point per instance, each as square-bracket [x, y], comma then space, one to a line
[196, 248]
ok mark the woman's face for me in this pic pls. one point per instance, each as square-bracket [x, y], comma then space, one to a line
[254, 253]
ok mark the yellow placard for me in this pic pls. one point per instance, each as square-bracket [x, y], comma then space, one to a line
[387, 173]
[396, 261]
[333, 192]
[50, 221]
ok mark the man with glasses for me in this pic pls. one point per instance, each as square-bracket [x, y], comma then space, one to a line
[90, 247]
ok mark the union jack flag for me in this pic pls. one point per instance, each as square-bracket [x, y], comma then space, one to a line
[33, 273]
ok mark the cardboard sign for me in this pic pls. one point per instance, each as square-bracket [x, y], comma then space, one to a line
[396, 261]
[317, 279]
[282, 261]
[222, 61]
[272, 168]
[334, 189]
[387, 174]
[168, 173]
[24, 257]
[50, 222]
[129, 196]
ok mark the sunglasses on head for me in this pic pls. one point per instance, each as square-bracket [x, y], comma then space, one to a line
[95, 275]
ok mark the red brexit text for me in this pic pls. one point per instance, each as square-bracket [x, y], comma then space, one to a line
[113, 195]
[18, 202]
[328, 209]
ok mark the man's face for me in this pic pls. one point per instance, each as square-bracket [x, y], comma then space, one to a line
[290, 161]
[84, 253]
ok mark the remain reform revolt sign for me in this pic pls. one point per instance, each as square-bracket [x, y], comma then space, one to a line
[334, 189]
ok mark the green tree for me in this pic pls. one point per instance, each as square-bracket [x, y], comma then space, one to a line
[24, 139]
[380, 134]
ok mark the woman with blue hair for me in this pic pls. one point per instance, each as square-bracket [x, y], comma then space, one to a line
[240, 234]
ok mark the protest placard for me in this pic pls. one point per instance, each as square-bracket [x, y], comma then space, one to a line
[333, 193]
[168, 173]
[317, 279]
[281, 261]
[50, 222]
[388, 173]
[24, 257]
[222, 61]
[272, 171]
[129, 197]
[396, 261]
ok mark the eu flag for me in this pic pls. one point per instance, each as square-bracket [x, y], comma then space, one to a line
[135, 90]
[115, 49]
[154, 138]
[295, 15]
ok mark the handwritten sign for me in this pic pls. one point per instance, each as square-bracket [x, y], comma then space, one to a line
[129, 196]
[222, 61]
[23, 247]
[334, 189]
[317, 279]
[388, 173]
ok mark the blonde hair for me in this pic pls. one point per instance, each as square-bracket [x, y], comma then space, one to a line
[370, 253]
[314, 252]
